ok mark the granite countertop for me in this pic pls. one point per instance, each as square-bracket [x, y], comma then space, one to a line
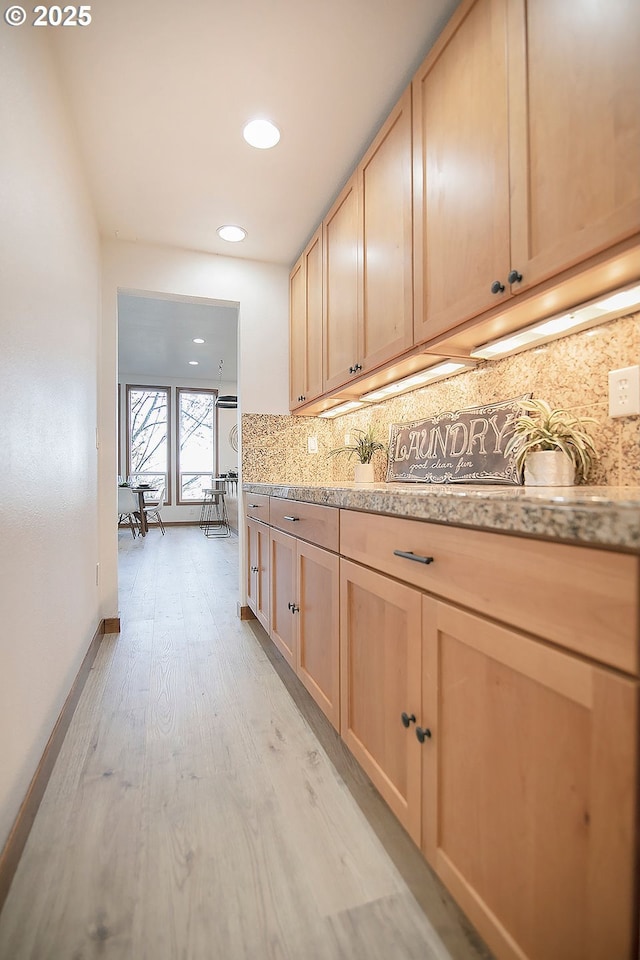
[601, 516]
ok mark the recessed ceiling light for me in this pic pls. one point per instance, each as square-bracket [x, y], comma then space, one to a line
[198, 340]
[193, 363]
[261, 134]
[231, 233]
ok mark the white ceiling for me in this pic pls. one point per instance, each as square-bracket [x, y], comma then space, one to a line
[160, 91]
[155, 339]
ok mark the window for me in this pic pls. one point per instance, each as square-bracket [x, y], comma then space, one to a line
[148, 435]
[196, 460]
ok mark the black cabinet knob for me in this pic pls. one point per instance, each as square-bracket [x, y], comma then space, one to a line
[497, 287]
[514, 277]
[406, 719]
[357, 367]
[293, 608]
[423, 735]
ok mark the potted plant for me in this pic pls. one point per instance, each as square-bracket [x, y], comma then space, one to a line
[365, 446]
[553, 445]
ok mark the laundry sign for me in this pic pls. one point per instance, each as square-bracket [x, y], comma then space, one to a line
[462, 446]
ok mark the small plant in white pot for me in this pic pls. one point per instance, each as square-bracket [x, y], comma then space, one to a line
[553, 445]
[363, 449]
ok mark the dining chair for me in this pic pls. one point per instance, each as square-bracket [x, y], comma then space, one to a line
[127, 508]
[152, 512]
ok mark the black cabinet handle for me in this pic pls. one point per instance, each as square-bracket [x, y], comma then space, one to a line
[409, 555]
[497, 287]
[423, 735]
[514, 277]
[407, 719]
[292, 519]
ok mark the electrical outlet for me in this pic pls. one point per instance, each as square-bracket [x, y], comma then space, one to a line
[312, 444]
[624, 392]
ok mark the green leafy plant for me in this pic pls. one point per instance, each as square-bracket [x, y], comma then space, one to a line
[364, 448]
[548, 429]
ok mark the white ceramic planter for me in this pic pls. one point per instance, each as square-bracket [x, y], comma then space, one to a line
[548, 468]
[364, 473]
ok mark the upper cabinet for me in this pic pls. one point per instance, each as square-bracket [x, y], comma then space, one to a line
[526, 150]
[305, 324]
[385, 262]
[341, 299]
[575, 131]
[368, 258]
[461, 190]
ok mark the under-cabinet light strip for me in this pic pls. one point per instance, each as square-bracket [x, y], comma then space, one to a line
[582, 316]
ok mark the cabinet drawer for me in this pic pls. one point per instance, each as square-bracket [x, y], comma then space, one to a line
[256, 505]
[309, 521]
[583, 599]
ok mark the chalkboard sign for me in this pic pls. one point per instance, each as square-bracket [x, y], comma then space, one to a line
[462, 446]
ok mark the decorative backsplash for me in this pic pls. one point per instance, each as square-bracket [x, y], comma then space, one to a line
[571, 373]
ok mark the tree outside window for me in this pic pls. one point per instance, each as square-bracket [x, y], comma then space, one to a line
[196, 462]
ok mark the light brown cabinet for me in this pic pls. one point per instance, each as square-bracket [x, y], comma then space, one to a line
[281, 628]
[574, 86]
[380, 681]
[368, 293]
[305, 325]
[527, 754]
[257, 573]
[526, 133]
[293, 589]
[341, 302]
[461, 195]
[529, 789]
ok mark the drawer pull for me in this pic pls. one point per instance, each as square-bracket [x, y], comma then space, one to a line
[423, 735]
[409, 555]
[254, 506]
[293, 519]
[407, 719]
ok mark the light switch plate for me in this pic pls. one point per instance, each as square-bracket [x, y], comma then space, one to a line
[312, 444]
[624, 392]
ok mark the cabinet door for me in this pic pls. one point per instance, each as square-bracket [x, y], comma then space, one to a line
[529, 789]
[305, 325]
[386, 264]
[297, 334]
[250, 573]
[575, 130]
[461, 190]
[318, 622]
[282, 594]
[257, 574]
[261, 609]
[380, 652]
[313, 270]
[341, 300]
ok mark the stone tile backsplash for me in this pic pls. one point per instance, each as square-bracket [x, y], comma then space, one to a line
[570, 373]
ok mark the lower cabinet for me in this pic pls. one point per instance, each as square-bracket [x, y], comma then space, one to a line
[304, 616]
[380, 682]
[258, 570]
[529, 789]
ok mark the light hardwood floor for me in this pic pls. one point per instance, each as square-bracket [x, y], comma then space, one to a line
[203, 807]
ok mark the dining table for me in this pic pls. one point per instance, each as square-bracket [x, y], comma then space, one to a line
[142, 517]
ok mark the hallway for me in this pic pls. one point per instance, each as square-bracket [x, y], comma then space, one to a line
[202, 807]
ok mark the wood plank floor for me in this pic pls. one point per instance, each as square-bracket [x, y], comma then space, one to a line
[202, 806]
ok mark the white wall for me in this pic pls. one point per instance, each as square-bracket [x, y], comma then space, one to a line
[262, 292]
[49, 306]
[227, 459]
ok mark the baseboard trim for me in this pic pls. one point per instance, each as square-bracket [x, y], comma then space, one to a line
[111, 625]
[12, 851]
[245, 613]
